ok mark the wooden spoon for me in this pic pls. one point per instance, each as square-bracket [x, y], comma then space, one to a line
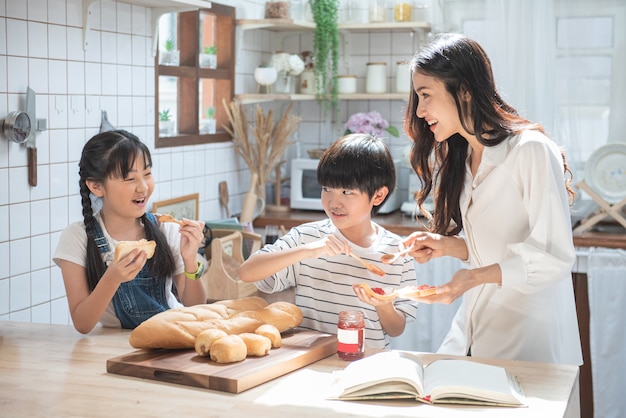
[391, 258]
[374, 269]
[223, 188]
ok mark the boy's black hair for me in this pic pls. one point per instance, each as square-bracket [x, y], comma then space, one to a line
[358, 162]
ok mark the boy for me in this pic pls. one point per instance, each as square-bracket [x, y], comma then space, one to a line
[357, 175]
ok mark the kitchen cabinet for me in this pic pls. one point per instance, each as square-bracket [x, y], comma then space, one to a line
[286, 27]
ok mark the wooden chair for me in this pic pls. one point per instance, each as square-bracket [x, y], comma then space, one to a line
[224, 256]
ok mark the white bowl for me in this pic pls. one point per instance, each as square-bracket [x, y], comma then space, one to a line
[265, 76]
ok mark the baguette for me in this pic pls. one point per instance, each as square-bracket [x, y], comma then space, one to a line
[124, 247]
[180, 327]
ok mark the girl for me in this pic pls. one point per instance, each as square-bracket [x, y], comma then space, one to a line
[500, 181]
[116, 169]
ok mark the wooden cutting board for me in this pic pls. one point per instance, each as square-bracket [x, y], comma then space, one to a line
[299, 348]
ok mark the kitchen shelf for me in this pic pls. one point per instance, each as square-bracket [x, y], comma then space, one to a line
[159, 8]
[259, 98]
[290, 25]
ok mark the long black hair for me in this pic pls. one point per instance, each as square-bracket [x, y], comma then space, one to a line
[107, 155]
[463, 66]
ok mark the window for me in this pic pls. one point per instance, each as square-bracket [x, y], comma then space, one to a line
[190, 87]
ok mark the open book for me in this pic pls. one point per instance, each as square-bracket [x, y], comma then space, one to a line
[398, 374]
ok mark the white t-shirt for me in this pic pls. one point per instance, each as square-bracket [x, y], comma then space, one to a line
[516, 213]
[323, 286]
[72, 247]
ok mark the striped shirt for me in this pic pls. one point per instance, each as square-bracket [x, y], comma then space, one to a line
[323, 286]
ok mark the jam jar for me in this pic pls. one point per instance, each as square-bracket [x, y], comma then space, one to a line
[350, 329]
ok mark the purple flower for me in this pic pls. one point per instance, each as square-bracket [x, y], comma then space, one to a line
[369, 123]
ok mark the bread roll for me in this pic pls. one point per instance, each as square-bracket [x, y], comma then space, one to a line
[256, 345]
[271, 332]
[228, 349]
[205, 339]
[124, 247]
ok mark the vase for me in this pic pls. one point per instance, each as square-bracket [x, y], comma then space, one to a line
[169, 57]
[285, 83]
[208, 126]
[208, 60]
[266, 77]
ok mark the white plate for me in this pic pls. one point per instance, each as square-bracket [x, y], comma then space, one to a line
[605, 172]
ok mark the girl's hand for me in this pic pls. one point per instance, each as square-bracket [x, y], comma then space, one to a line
[127, 268]
[191, 236]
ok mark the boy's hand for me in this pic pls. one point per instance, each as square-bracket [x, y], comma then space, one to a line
[329, 245]
[365, 298]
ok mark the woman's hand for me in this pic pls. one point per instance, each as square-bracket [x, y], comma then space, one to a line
[426, 246]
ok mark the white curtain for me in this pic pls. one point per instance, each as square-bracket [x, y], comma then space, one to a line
[606, 280]
[433, 321]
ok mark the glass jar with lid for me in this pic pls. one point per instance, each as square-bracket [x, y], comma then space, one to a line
[403, 11]
[378, 11]
[350, 338]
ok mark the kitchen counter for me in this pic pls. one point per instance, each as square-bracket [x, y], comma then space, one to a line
[605, 235]
[52, 370]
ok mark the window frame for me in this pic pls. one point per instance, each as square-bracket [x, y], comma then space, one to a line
[190, 74]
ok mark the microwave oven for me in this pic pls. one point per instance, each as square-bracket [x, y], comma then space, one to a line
[306, 192]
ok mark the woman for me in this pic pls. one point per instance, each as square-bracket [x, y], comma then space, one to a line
[501, 205]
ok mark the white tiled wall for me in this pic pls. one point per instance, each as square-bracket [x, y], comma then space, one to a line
[41, 46]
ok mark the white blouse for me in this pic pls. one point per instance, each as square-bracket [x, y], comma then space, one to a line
[516, 213]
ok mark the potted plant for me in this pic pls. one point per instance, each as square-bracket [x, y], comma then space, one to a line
[208, 57]
[169, 55]
[326, 52]
[208, 125]
[166, 124]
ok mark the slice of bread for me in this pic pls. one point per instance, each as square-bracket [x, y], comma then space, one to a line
[124, 247]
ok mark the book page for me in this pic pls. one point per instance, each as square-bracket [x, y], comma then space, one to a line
[403, 369]
[468, 379]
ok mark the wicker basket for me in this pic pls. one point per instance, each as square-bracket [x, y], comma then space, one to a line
[316, 153]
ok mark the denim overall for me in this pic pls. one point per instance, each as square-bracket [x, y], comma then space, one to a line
[138, 299]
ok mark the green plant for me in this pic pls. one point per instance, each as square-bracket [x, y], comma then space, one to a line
[210, 112]
[210, 50]
[169, 45]
[326, 52]
[164, 115]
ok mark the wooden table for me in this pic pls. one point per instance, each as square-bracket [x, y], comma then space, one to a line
[52, 370]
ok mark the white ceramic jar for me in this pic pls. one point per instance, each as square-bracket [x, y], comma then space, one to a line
[307, 82]
[346, 84]
[376, 78]
[403, 77]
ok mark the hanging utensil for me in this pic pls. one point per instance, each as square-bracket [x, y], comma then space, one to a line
[31, 141]
[223, 188]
